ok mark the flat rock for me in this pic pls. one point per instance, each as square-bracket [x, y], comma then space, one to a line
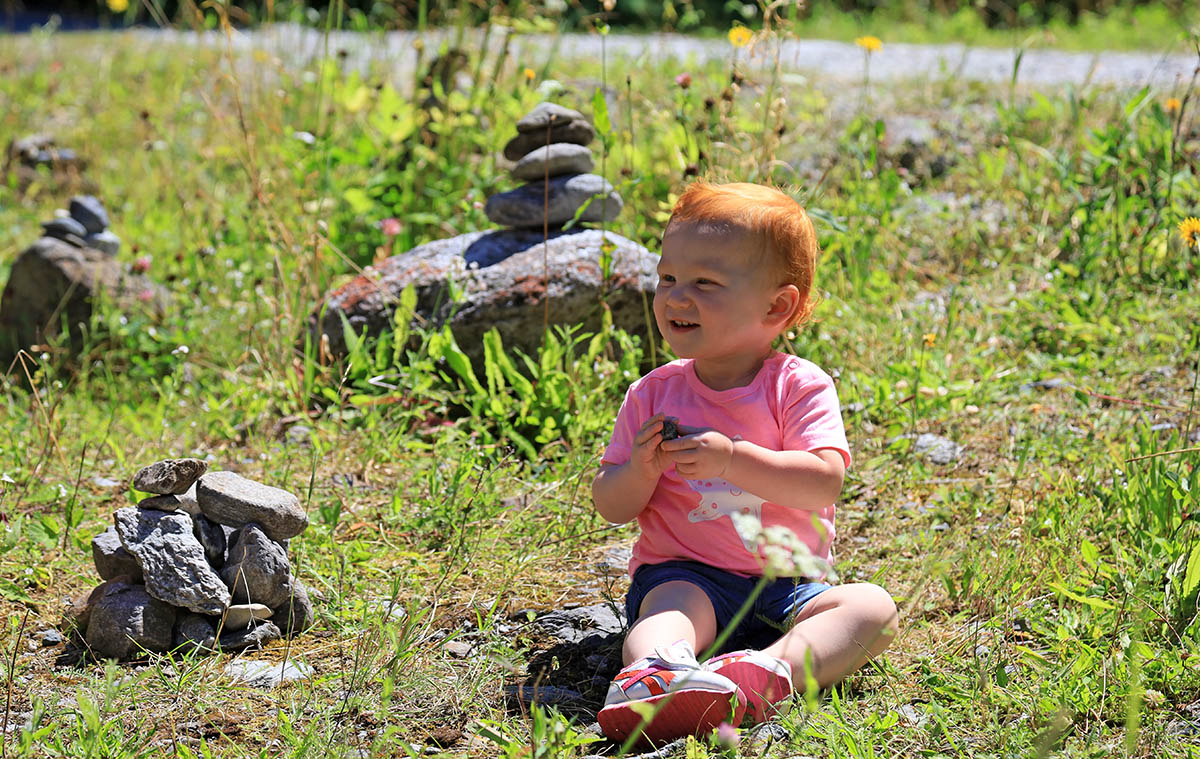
[53, 282]
[265, 674]
[546, 114]
[295, 615]
[67, 229]
[257, 636]
[172, 560]
[937, 449]
[508, 293]
[528, 204]
[578, 131]
[554, 160]
[167, 503]
[583, 622]
[169, 476]
[89, 211]
[257, 569]
[212, 536]
[549, 695]
[230, 499]
[105, 242]
[239, 616]
[111, 558]
[125, 619]
[194, 632]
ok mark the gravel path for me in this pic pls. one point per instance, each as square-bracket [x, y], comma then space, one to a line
[836, 60]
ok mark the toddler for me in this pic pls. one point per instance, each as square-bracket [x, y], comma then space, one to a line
[748, 430]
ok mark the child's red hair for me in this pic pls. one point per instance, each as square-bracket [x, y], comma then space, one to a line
[766, 215]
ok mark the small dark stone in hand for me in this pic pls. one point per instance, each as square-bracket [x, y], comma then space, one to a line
[670, 429]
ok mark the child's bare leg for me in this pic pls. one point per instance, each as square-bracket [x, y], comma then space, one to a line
[672, 611]
[840, 629]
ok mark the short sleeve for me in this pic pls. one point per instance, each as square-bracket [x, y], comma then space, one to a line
[629, 420]
[812, 416]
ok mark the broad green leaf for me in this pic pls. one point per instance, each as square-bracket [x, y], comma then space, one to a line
[600, 112]
[1191, 577]
[1089, 552]
[358, 199]
[1095, 603]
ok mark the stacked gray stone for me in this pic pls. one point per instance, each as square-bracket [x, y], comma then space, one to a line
[83, 225]
[554, 162]
[200, 565]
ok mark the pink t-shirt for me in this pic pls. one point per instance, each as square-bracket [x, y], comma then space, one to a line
[790, 405]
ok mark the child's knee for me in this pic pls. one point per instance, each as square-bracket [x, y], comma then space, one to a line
[877, 609]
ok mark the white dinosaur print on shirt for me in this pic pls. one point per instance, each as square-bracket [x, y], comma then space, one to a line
[718, 498]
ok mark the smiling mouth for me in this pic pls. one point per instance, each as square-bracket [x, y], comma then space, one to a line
[677, 324]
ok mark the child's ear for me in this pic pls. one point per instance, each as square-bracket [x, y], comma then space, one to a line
[784, 304]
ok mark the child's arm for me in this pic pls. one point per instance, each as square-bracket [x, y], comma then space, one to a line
[621, 491]
[807, 480]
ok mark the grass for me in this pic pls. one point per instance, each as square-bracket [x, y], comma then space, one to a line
[1047, 581]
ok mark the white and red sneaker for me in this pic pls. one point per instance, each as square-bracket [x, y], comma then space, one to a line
[668, 696]
[763, 679]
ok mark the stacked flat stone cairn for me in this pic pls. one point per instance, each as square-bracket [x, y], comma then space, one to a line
[83, 225]
[552, 158]
[517, 278]
[200, 565]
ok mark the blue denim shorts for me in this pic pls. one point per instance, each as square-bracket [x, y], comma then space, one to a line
[770, 616]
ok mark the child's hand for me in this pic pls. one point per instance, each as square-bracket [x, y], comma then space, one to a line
[648, 456]
[699, 453]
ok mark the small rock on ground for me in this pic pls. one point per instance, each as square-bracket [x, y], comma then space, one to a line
[938, 449]
[264, 674]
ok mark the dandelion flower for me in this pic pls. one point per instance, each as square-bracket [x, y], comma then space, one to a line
[118, 6]
[739, 36]
[529, 74]
[869, 43]
[1189, 230]
[1173, 105]
[930, 338]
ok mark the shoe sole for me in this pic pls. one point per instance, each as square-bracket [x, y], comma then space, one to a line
[685, 712]
[762, 688]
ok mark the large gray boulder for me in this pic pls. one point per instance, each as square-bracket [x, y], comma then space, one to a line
[111, 558]
[230, 499]
[555, 202]
[504, 278]
[257, 570]
[173, 561]
[125, 619]
[54, 283]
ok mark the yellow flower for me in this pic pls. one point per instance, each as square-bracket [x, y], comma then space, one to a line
[529, 74]
[1173, 105]
[869, 43]
[739, 36]
[1189, 230]
[930, 338]
[118, 6]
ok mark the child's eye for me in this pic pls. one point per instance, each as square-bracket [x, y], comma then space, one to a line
[666, 278]
[703, 281]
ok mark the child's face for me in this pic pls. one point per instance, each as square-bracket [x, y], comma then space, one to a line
[716, 299]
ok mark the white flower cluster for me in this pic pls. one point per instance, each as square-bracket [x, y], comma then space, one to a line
[784, 554]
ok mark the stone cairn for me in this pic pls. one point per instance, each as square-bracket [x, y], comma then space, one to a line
[83, 225]
[552, 142]
[200, 565]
